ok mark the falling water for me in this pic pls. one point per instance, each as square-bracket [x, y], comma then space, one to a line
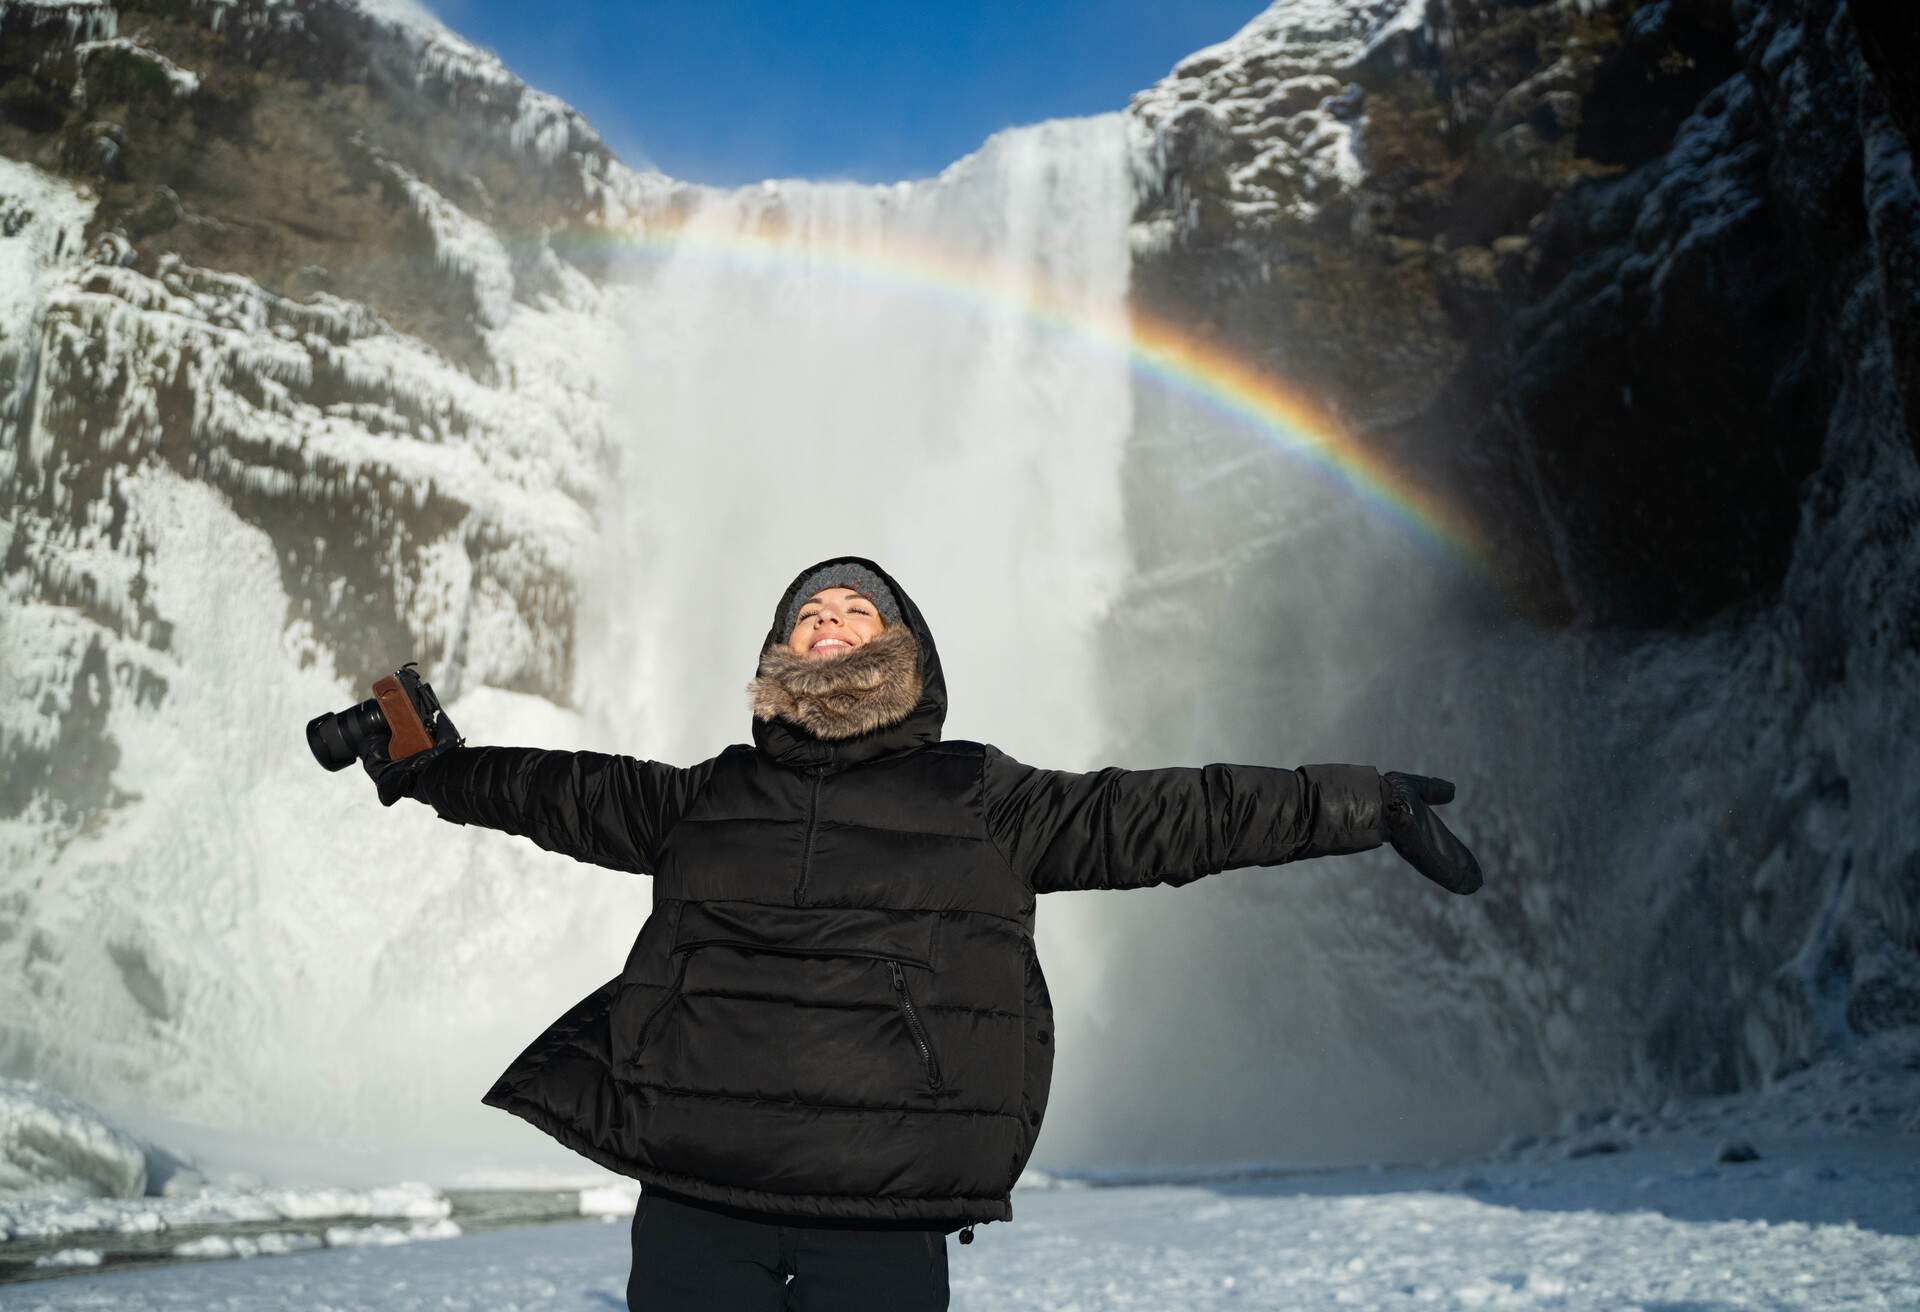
[845, 391]
[877, 383]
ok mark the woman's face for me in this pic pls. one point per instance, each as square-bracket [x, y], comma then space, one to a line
[833, 622]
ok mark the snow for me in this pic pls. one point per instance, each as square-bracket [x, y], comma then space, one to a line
[536, 122]
[154, 986]
[340, 1236]
[273, 1244]
[1411, 18]
[70, 1257]
[615, 1199]
[407, 13]
[57, 1147]
[47, 1215]
[1659, 1231]
[1333, 33]
[1612, 1211]
[464, 246]
[43, 221]
[183, 82]
[1280, 86]
[85, 20]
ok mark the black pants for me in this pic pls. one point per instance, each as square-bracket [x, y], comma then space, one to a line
[691, 1259]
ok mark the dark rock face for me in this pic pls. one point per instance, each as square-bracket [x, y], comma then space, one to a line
[1664, 383]
[1634, 284]
[1588, 281]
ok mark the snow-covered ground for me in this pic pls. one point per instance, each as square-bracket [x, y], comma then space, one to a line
[1803, 1195]
[1820, 1224]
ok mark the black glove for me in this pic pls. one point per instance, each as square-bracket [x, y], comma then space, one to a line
[1418, 836]
[394, 779]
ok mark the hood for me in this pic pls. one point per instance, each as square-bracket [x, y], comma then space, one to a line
[791, 744]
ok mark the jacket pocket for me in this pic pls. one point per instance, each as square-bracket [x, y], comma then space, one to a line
[889, 957]
[673, 991]
[849, 931]
[914, 1027]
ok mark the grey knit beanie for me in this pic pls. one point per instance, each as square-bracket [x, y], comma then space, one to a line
[846, 575]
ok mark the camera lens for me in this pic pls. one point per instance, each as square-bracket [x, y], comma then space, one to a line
[335, 738]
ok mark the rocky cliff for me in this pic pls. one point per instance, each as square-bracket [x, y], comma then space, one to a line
[1634, 284]
[338, 265]
[304, 354]
[1596, 268]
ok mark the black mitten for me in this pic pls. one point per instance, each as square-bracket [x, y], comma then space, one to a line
[1417, 834]
[394, 779]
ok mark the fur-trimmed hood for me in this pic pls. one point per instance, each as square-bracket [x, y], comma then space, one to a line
[832, 697]
[885, 695]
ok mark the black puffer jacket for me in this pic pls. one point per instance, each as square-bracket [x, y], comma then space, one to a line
[834, 1009]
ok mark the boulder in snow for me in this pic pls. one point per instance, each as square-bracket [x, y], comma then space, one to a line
[51, 1144]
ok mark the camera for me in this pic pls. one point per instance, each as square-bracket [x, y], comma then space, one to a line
[402, 709]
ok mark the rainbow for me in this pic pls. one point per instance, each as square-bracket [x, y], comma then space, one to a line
[1208, 374]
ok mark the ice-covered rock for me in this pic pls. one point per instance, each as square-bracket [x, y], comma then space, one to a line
[1273, 107]
[51, 1145]
[274, 1243]
[303, 429]
[341, 1236]
[70, 1257]
[615, 1198]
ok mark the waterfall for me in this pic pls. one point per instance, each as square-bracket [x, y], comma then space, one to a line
[875, 382]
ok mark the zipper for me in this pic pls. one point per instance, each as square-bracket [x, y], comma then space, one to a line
[913, 1024]
[813, 815]
[673, 991]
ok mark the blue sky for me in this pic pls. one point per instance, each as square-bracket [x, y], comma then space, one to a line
[732, 91]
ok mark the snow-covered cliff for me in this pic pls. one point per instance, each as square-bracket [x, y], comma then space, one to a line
[304, 370]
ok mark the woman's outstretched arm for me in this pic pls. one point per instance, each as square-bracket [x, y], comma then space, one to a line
[1116, 828]
[609, 810]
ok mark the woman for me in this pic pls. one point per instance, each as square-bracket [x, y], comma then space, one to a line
[831, 1045]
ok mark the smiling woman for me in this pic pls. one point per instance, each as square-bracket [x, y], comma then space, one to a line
[832, 1043]
[833, 621]
[844, 670]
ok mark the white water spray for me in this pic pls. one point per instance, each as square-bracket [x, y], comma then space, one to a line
[837, 394]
